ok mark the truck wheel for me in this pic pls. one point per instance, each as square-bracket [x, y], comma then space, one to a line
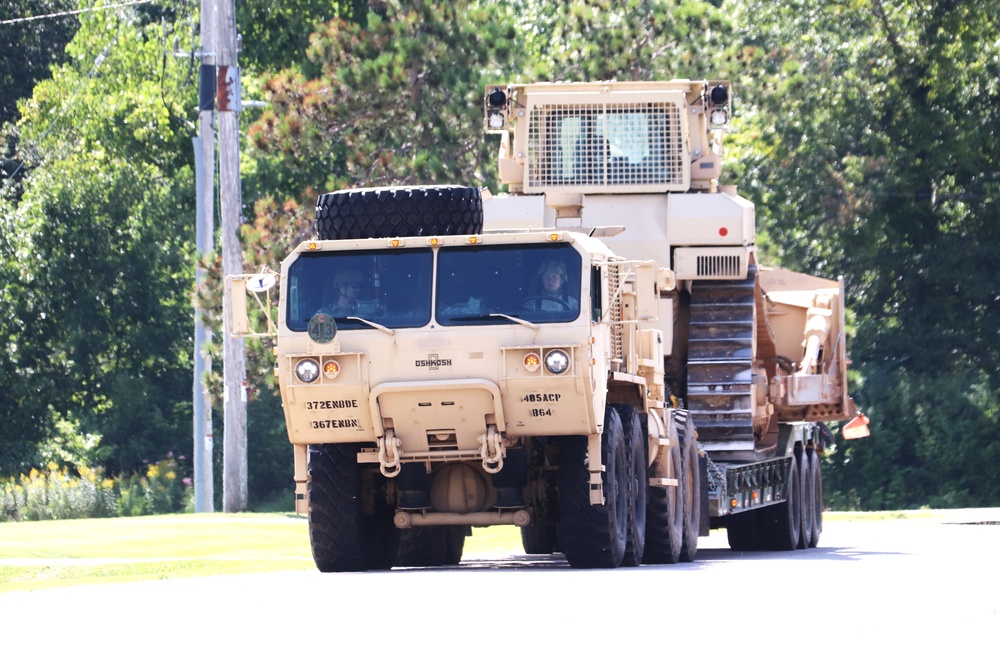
[594, 535]
[665, 518]
[635, 443]
[343, 537]
[431, 546]
[781, 523]
[423, 546]
[454, 545]
[817, 481]
[399, 211]
[743, 532]
[539, 540]
[692, 491]
[808, 501]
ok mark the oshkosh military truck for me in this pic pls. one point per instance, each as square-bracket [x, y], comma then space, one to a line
[596, 356]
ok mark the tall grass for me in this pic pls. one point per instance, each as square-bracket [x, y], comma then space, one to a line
[58, 493]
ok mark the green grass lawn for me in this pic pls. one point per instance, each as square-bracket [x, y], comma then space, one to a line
[45, 554]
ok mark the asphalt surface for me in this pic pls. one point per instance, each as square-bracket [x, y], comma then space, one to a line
[892, 592]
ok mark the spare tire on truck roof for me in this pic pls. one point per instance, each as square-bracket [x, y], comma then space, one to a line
[430, 210]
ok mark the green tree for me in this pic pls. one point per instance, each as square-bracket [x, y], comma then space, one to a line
[869, 148]
[27, 50]
[277, 34]
[396, 101]
[96, 319]
[636, 40]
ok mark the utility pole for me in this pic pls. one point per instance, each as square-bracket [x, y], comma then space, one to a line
[234, 484]
[204, 152]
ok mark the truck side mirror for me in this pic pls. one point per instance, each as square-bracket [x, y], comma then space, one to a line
[236, 306]
[237, 316]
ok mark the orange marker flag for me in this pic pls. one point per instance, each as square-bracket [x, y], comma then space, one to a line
[856, 428]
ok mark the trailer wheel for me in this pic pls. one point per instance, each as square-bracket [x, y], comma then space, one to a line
[665, 519]
[635, 443]
[817, 481]
[743, 532]
[692, 491]
[399, 211]
[808, 500]
[781, 523]
[343, 537]
[594, 535]
[539, 540]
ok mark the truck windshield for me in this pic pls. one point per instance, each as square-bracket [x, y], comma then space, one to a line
[537, 283]
[390, 287]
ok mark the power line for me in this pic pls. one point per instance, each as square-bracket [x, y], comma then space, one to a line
[66, 106]
[73, 12]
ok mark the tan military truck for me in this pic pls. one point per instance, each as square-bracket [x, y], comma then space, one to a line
[596, 356]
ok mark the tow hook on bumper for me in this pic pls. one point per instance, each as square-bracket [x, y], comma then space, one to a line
[492, 450]
[388, 454]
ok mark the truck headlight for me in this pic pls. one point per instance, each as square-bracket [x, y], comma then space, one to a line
[307, 371]
[556, 362]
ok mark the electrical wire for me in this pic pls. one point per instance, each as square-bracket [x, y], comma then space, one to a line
[9, 180]
[74, 12]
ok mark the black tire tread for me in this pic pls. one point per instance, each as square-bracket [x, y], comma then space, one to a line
[808, 505]
[591, 536]
[664, 531]
[692, 486]
[635, 442]
[781, 523]
[343, 539]
[815, 462]
[539, 540]
[436, 210]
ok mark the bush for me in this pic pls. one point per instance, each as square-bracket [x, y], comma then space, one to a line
[56, 493]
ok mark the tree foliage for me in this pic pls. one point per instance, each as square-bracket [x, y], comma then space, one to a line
[96, 315]
[865, 133]
[637, 40]
[29, 48]
[870, 149]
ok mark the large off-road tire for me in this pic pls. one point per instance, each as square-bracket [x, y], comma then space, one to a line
[691, 490]
[781, 523]
[743, 531]
[430, 546]
[594, 535]
[817, 475]
[808, 500]
[665, 519]
[343, 537]
[399, 211]
[635, 443]
[539, 540]
[455, 544]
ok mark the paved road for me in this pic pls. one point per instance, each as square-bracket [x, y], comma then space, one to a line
[890, 592]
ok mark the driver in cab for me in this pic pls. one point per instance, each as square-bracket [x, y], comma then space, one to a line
[347, 288]
[552, 289]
